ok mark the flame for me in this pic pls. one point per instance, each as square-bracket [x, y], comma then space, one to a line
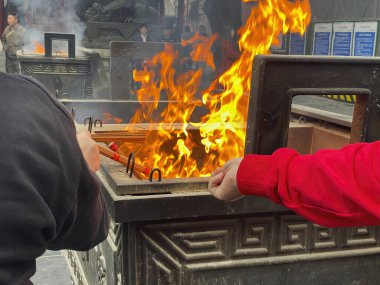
[38, 48]
[183, 149]
[201, 48]
[108, 118]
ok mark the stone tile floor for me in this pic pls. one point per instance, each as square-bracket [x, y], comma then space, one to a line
[52, 269]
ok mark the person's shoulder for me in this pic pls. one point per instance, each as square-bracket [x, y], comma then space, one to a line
[21, 28]
[6, 30]
[136, 37]
[19, 87]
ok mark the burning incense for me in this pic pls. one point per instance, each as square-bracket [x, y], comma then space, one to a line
[114, 147]
[138, 168]
[118, 137]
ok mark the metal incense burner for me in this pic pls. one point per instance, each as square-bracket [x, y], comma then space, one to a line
[185, 236]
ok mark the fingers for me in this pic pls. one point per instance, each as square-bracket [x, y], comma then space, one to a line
[215, 181]
[222, 184]
[89, 150]
[218, 170]
[231, 163]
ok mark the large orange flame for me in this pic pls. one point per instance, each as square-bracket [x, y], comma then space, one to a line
[183, 149]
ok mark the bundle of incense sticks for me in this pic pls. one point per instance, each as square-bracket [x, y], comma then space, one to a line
[119, 136]
[138, 169]
[121, 132]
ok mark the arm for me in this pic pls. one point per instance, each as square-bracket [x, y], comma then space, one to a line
[332, 187]
[49, 198]
[3, 39]
[91, 221]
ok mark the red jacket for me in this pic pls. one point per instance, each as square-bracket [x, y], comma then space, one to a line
[334, 188]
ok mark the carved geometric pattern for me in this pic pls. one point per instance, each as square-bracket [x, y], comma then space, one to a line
[102, 264]
[99, 263]
[294, 235]
[190, 252]
[57, 68]
[119, 251]
[208, 243]
[362, 236]
[195, 244]
[53, 69]
[75, 268]
[323, 238]
[254, 237]
[157, 266]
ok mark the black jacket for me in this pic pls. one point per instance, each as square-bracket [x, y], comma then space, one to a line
[49, 199]
[137, 38]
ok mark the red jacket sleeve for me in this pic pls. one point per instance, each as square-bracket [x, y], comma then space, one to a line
[334, 188]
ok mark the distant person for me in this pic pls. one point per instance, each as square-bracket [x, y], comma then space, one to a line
[142, 35]
[167, 35]
[186, 35]
[13, 40]
[229, 50]
[202, 30]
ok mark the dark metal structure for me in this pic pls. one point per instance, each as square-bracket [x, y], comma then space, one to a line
[101, 34]
[188, 237]
[125, 56]
[67, 77]
[50, 37]
[277, 79]
[83, 84]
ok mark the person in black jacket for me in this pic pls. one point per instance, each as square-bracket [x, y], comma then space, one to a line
[49, 194]
[142, 35]
[167, 35]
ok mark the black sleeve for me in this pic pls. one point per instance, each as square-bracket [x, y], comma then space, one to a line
[48, 196]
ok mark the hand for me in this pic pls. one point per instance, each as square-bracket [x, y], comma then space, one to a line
[19, 52]
[223, 185]
[90, 150]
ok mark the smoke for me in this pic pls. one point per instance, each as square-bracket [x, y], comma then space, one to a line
[49, 16]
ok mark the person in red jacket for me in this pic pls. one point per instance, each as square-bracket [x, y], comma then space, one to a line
[333, 188]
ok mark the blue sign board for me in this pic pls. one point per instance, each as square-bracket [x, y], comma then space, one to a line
[297, 44]
[322, 43]
[342, 43]
[364, 43]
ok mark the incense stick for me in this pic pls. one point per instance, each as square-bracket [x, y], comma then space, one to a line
[118, 138]
[123, 160]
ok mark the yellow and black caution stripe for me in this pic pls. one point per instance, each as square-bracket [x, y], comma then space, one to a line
[342, 98]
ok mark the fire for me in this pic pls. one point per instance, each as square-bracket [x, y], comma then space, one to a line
[108, 118]
[38, 48]
[183, 149]
[201, 48]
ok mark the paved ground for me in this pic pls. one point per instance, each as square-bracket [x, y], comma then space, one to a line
[52, 269]
[325, 104]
